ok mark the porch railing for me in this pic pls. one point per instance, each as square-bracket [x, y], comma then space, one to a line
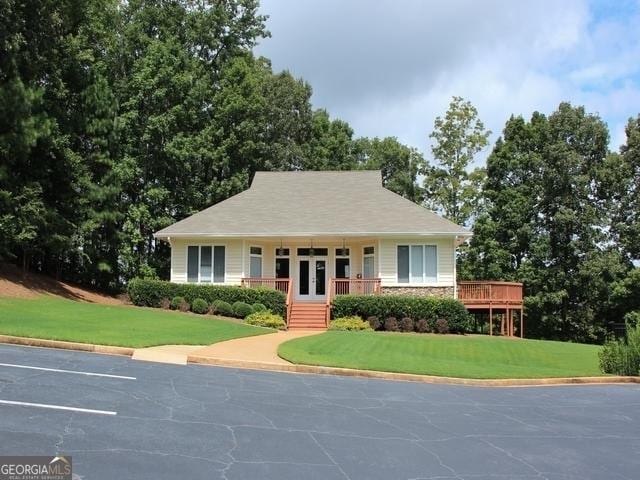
[281, 284]
[490, 292]
[350, 286]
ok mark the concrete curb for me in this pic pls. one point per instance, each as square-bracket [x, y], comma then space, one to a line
[83, 347]
[409, 377]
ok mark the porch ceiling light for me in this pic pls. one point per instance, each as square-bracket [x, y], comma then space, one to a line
[311, 250]
[280, 251]
[342, 252]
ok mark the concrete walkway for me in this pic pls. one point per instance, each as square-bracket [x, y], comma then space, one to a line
[260, 349]
[165, 353]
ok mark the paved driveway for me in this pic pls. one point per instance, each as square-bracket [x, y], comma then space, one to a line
[159, 421]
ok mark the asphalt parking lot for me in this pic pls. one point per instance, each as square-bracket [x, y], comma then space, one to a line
[147, 420]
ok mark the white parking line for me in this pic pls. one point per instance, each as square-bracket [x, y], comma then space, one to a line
[57, 407]
[91, 374]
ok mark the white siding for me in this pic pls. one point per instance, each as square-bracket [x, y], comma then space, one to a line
[233, 260]
[237, 261]
[178, 261]
[446, 260]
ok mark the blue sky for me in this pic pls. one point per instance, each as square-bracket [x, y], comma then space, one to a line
[389, 67]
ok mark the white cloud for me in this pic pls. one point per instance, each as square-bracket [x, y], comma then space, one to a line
[390, 67]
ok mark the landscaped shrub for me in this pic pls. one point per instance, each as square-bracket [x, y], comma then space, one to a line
[442, 326]
[266, 319]
[177, 302]
[374, 322]
[241, 309]
[258, 307]
[149, 293]
[199, 305]
[406, 324]
[165, 303]
[632, 318]
[391, 324]
[422, 326]
[223, 308]
[353, 324]
[622, 357]
[400, 306]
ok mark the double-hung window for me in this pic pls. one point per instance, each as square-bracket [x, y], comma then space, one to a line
[205, 263]
[255, 262]
[417, 264]
[368, 262]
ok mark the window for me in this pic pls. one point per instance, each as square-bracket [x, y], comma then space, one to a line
[255, 262]
[343, 267]
[403, 264]
[192, 263]
[417, 263]
[317, 252]
[368, 262]
[205, 263]
[282, 263]
[218, 264]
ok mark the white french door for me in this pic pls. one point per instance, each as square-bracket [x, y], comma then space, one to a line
[312, 278]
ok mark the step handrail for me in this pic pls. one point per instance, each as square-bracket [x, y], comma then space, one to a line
[289, 302]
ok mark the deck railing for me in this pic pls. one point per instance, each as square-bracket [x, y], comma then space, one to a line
[490, 292]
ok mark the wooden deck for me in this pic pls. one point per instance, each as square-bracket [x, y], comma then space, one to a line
[504, 299]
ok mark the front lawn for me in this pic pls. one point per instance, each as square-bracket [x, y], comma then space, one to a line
[444, 355]
[59, 319]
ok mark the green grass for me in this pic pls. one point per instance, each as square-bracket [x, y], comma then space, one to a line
[54, 318]
[444, 355]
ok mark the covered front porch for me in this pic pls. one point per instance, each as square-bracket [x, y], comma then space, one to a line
[307, 266]
[311, 271]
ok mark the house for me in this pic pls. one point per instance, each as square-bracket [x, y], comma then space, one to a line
[314, 235]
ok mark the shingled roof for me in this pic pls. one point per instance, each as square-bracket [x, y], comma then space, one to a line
[291, 204]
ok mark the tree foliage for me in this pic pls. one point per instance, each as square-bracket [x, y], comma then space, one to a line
[452, 188]
[119, 118]
[548, 223]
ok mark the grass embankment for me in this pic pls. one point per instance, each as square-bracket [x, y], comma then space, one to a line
[445, 355]
[55, 318]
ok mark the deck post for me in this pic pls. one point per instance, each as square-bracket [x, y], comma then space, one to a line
[521, 323]
[511, 322]
[490, 321]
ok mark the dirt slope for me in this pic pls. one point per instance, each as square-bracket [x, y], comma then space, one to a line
[13, 284]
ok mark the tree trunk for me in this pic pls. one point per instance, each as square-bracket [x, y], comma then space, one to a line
[25, 263]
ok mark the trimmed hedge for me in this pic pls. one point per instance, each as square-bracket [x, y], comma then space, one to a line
[241, 309]
[384, 307]
[149, 293]
[199, 306]
[178, 303]
[258, 307]
[222, 308]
